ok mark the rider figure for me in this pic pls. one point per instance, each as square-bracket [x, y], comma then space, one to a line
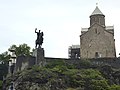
[38, 34]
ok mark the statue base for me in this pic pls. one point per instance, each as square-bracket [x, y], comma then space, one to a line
[39, 54]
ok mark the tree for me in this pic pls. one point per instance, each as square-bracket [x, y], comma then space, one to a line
[22, 49]
[4, 57]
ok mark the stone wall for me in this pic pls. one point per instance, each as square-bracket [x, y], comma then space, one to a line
[114, 62]
[24, 62]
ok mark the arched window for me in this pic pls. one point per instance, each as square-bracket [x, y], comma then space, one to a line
[96, 30]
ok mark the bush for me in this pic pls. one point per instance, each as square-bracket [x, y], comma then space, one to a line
[114, 87]
[55, 63]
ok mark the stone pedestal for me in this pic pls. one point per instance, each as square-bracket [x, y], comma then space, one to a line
[39, 54]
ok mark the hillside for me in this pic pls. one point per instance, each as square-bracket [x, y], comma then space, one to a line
[59, 75]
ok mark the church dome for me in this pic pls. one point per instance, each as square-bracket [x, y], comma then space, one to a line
[97, 17]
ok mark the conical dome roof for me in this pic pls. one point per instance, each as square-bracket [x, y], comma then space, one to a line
[97, 11]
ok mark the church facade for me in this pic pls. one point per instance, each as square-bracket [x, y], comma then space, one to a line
[97, 41]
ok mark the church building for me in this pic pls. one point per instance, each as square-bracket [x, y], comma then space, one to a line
[97, 41]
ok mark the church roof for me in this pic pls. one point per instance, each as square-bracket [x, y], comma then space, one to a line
[97, 11]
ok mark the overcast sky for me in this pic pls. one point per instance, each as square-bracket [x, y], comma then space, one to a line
[60, 20]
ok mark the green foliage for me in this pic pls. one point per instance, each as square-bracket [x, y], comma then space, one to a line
[85, 63]
[73, 78]
[70, 66]
[36, 68]
[55, 63]
[114, 87]
[98, 84]
[78, 79]
[71, 72]
[59, 75]
[4, 57]
[91, 74]
[59, 68]
[93, 79]
[3, 70]
[87, 78]
[22, 49]
[19, 50]
[79, 88]
[0, 85]
[59, 63]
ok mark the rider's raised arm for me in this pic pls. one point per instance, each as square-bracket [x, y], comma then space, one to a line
[35, 30]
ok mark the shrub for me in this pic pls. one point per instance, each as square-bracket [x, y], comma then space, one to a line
[114, 87]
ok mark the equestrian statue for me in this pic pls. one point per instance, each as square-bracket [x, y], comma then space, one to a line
[39, 39]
